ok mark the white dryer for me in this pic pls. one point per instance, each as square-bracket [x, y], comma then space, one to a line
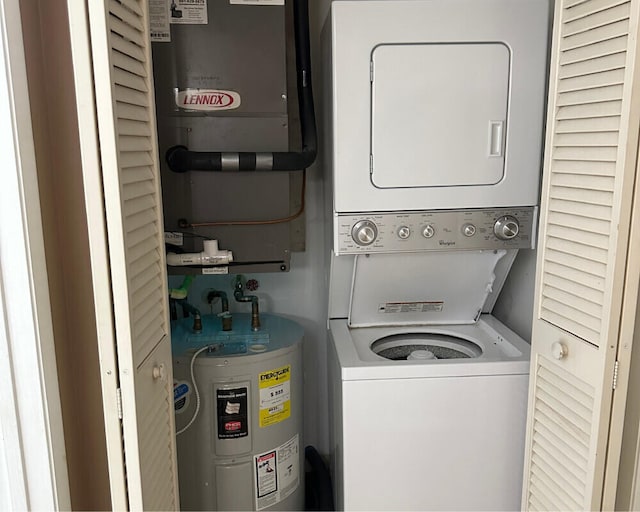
[435, 104]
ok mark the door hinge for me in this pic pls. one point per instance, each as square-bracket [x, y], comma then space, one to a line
[119, 402]
[370, 164]
[615, 375]
[371, 71]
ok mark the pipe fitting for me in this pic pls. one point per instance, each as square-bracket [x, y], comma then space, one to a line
[211, 255]
[240, 296]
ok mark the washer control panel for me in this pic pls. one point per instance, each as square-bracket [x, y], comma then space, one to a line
[496, 228]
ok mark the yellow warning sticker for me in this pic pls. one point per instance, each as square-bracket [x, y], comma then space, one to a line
[275, 395]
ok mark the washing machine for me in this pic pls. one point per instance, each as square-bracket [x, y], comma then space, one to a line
[434, 131]
[428, 390]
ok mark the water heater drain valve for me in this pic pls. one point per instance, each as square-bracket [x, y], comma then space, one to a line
[211, 255]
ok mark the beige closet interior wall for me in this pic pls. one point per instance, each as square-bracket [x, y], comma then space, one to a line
[49, 70]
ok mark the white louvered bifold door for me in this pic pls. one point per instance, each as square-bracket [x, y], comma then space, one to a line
[120, 49]
[590, 162]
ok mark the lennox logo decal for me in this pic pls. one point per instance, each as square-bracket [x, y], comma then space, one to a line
[207, 99]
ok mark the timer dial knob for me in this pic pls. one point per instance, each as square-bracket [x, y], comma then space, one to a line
[428, 231]
[506, 227]
[404, 232]
[364, 232]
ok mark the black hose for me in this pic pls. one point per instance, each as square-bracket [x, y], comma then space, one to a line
[318, 489]
[181, 159]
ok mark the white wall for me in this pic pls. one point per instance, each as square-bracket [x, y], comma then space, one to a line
[515, 304]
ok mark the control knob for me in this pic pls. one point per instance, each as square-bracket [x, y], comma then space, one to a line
[468, 230]
[404, 232]
[506, 227]
[428, 231]
[364, 232]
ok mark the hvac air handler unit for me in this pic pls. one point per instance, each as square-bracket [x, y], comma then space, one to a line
[236, 127]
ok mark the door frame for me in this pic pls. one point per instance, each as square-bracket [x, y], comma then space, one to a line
[32, 449]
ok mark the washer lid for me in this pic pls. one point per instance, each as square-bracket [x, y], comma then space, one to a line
[421, 288]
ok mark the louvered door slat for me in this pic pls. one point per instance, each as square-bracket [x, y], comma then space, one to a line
[584, 195]
[127, 15]
[588, 138]
[587, 240]
[594, 51]
[129, 160]
[580, 209]
[137, 174]
[126, 47]
[129, 80]
[596, 124]
[132, 207]
[132, 5]
[589, 182]
[137, 128]
[130, 96]
[132, 112]
[583, 224]
[599, 80]
[126, 31]
[577, 249]
[602, 109]
[592, 66]
[139, 220]
[571, 275]
[126, 61]
[588, 292]
[599, 19]
[610, 31]
[137, 190]
[589, 8]
[122, 64]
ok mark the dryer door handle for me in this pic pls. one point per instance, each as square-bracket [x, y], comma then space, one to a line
[496, 138]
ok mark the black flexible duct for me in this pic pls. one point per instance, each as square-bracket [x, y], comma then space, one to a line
[318, 488]
[180, 159]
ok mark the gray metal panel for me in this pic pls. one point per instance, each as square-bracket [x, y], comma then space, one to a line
[242, 48]
[250, 50]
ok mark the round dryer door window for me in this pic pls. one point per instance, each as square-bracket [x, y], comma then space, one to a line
[424, 347]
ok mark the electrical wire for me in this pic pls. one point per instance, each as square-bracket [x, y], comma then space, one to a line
[195, 390]
[256, 222]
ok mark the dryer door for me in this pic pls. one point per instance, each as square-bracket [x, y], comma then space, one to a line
[438, 114]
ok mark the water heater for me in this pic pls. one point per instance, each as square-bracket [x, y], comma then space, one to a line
[243, 450]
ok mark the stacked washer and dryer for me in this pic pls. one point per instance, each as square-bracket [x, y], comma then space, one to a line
[435, 111]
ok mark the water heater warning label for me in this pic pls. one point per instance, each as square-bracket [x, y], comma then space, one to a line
[277, 473]
[232, 413]
[275, 395]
